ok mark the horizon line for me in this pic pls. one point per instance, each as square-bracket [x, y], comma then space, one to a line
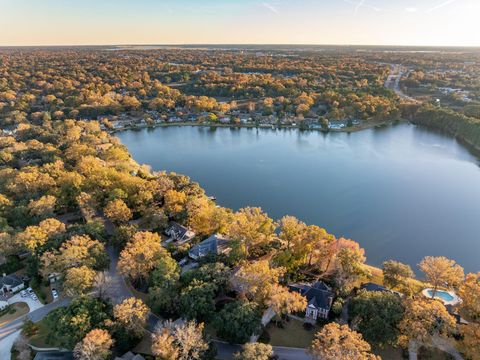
[237, 44]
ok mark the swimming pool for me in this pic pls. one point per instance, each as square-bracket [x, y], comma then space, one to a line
[443, 295]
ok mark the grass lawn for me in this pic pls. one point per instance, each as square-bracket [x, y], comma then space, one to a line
[14, 311]
[292, 335]
[377, 278]
[40, 338]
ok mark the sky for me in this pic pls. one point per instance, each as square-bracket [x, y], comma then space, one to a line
[352, 22]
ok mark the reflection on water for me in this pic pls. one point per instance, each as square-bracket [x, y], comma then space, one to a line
[401, 191]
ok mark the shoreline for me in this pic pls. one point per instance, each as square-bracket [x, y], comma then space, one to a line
[352, 129]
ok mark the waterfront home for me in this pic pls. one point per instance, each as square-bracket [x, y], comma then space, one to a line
[174, 119]
[319, 298]
[11, 284]
[178, 234]
[215, 244]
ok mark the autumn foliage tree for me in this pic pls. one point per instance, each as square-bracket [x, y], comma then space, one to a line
[94, 346]
[469, 291]
[336, 341]
[132, 314]
[255, 351]
[78, 280]
[117, 211]
[185, 341]
[257, 280]
[252, 228]
[424, 318]
[470, 343]
[175, 203]
[284, 302]
[441, 271]
[140, 255]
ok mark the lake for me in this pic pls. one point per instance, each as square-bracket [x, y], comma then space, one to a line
[401, 191]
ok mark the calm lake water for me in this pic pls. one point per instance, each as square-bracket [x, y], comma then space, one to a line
[400, 191]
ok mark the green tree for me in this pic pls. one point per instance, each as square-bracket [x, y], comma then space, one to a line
[238, 321]
[197, 300]
[376, 315]
[396, 274]
[69, 325]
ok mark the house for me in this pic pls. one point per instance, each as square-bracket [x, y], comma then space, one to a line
[319, 299]
[178, 234]
[451, 310]
[130, 356]
[11, 283]
[373, 287]
[3, 302]
[54, 355]
[54, 277]
[215, 244]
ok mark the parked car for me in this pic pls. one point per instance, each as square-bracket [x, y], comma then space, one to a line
[54, 294]
[30, 291]
[23, 293]
[34, 297]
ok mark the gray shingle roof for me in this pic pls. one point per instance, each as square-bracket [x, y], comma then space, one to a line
[212, 245]
[10, 280]
[318, 294]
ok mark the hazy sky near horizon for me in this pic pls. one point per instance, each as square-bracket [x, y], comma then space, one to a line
[369, 22]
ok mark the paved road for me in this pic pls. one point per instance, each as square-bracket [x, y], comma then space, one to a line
[35, 316]
[393, 82]
[116, 288]
[6, 345]
[225, 351]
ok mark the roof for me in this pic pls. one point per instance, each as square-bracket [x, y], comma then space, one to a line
[213, 245]
[318, 295]
[130, 356]
[451, 310]
[54, 355]
[373, 287]
[10, 280]
[178, 231]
